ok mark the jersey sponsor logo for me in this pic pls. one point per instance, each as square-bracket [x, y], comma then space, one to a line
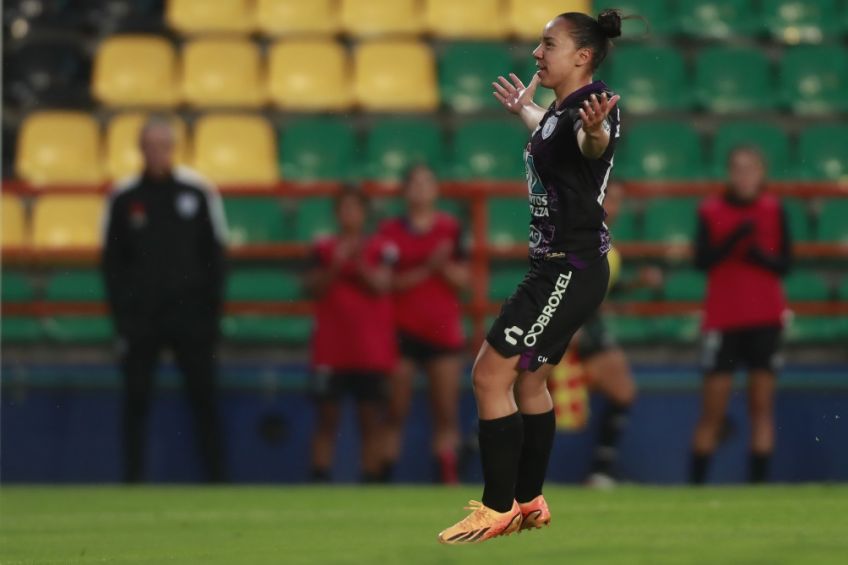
[554, 300]
[508, 332]
[537, 194]
[549, 127]
[187, 205]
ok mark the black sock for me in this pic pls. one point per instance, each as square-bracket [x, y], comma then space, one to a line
[319, 475]
[539, 431]
[698, 467]
[500, 452]
[758, 466]
[613, 422]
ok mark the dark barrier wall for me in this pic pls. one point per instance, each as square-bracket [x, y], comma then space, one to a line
[71, 434]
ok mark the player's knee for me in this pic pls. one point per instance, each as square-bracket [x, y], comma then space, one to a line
[487, 381]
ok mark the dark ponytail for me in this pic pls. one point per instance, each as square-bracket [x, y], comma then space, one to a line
[596, 34]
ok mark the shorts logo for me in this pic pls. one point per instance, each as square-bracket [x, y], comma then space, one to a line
[513, 330]
[549, 310]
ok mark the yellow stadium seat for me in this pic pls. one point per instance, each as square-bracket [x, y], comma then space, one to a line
[381, 17]
[204, 16]
[136, 70]
[309, 75]
[14, 221]
[235, 149]
[395, 75]
[67, 221]
[123, 157]
[60, 148]
[279, 17]
[223, 73]
[528, 19]
[477, 19]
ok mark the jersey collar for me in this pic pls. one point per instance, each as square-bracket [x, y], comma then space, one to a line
[580, 93]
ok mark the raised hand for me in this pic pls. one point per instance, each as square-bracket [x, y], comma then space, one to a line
[595, 111]
[514, 95]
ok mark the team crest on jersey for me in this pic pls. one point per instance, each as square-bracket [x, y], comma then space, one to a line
[549, 127]
[187, 204]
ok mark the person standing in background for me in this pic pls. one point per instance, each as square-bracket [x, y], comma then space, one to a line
[430, 273]
[353, 347]
[744, 245]
[163, 264]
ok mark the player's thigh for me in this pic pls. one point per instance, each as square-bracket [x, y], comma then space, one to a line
[493, 371]
[609, 374]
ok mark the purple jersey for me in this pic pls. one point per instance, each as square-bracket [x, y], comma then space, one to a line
[566, 189]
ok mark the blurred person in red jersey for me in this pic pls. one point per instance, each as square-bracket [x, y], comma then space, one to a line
[353, 346]
[430, 273]
[744, 245]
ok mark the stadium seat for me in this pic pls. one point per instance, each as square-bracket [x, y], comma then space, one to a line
[799, 219]
[287, 330]
[202, 16]
[123, 157]
[223, 73]
[16, 287]
[621, 293]
[504, 279]
[394, 144]
[658, 20]
[509, 221]
[235, 149]
[814, 79]
[815, 329]
[67, 221]
[685, 285]
[315, 217]
[46, 73]
[381, 17]
[136, 70]
[289, 17]
[317, 149]
[14, 222]
[734, 79]
[20, 329]
[395, 76]
[768, 137]
[59, 148]
[256, 220]
[466, 73]
[631, 329]
[649, 78]
[803, 285]
[670, 220]
[823, 152]
[469, 19]
[75, 286]
[842, 290]
[528, 19]
[832, 226]
[683, 329]
[309, 75]
[78, 329]
[793, 21]
[489, 149]
[625, 226]
[717, 19]
[262, 284]
[661, 150]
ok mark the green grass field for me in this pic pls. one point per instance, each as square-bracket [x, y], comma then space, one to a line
[284, 525]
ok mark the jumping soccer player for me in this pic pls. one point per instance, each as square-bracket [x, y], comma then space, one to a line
[568, 162]
[743, 243]
[429, 274]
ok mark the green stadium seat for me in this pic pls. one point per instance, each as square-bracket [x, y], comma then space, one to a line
[489, 149]
[660, 19]
[683, 329]
[793, 21]
[734, 79]
[78, 329]
[16, 287]
[20, 330]
[823, 152]
[466, 72]
[258, 284]
[317, 149]
[816, 329]
[256, 220]
[832, 226]
[79, 286]
[843, 288]
[385, 208]
[639, 294]
[624, 228]
[504, 279]
[663, 150]
[288, 330]
[315, 217]
[799, 219]
[509, 221]
[814, 79]
[804, 286]
[649, 78]
[769, 138]
[670, 220]
[716, 19]
[631, 329]
[685, 285]
[394, 144]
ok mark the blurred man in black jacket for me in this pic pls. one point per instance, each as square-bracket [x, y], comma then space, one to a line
[163, 264]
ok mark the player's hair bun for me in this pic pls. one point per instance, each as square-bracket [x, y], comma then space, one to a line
[610, 22]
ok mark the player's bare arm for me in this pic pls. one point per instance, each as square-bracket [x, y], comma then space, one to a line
[518, 99]
[593, 137]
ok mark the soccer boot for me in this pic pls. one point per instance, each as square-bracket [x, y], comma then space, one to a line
[535, 514]
[483, 523]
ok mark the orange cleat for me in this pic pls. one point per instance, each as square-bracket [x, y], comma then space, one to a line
[483, 523]
[535, 514]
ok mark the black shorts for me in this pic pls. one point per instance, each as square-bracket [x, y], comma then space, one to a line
[757, 348]
[363, 386]
[420, 350]
[549, 305]
[594, 338]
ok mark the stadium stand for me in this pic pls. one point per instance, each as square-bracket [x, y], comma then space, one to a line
[235, 148]
[222, 73]
[394, 144]
[14, 224]
[320, 148]
[395, 75]
[291, 17]
[661, 150]
[136, 70]
[59, 148]
[66, 221]
[123, 156]
[710, 19]
[526, 19]
[662, 85]
[369, 18]
[734, 79]
[477, 19]
[202, 16]
[309, 75]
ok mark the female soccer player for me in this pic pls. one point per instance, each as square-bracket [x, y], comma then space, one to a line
[353, 347]
[568, 162]
[429, 274]
[743, 243]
